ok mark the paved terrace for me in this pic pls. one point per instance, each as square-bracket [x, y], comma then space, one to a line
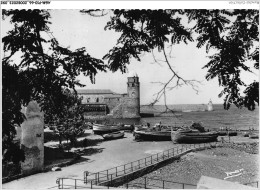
[108, 154]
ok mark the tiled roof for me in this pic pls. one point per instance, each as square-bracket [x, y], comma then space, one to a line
[113, 96]
[94, 91]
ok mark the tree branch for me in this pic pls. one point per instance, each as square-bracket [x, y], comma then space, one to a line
[180, 81]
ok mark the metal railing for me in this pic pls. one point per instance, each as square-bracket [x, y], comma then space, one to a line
[93, 180]
[112, 173]
[72, 183]
[152, 183]
[253, 184]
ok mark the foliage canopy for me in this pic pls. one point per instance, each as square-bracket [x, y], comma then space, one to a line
[36, 67]
[232, 33]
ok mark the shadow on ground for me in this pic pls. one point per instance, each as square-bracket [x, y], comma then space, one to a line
[81, 159]
[51, 136]
[89, 142]
[89, 151]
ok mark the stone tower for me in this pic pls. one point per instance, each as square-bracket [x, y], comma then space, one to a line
[133, 91]
[210, 106]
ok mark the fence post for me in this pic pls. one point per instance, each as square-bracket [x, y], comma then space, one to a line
[257, 184]
[151, 159]
[131, 166]
[86, 177]
[111, 180]
[163, 184]
[163, 155]
[58, 182]
[145, 182]
[116, 171]
[91, 184]
[183, 186]
[75, 183]
[98, 177]
[124, 169]
[107, 174]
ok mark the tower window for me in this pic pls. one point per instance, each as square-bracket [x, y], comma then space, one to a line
[133, 85]
[97, 100]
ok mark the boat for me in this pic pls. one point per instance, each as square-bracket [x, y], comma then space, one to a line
[140, 127]
[222, 133]
[152, 135]
[232, 133]
[101, 129]
[227, 133]
[126, 127]
[114, 135]
[194, 134]
[254, 136]
[156, 133]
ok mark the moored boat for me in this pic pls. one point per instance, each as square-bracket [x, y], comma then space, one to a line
[100, 129]
[254, 136]
[126, 127]
[156, 133]
[193, 136]
[152, 135]
[114, 135]
[140, 127]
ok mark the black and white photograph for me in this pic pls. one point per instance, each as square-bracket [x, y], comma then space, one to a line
[130, 94]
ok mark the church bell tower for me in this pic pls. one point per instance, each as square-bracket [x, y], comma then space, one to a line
[133, 90]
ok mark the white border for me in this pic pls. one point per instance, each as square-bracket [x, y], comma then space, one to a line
[232, 4]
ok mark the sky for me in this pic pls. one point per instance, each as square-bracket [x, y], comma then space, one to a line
[75, 30]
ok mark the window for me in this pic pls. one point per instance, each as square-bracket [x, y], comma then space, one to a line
[97, 100]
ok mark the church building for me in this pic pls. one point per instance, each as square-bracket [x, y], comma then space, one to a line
[105, 101]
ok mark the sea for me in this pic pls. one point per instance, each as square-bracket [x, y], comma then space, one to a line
[185, 114]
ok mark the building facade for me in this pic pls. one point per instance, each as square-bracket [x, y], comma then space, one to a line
[105, 101]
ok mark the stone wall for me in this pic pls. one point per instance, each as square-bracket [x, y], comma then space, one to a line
[128, 108]
[112, 103]
[32, 139]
